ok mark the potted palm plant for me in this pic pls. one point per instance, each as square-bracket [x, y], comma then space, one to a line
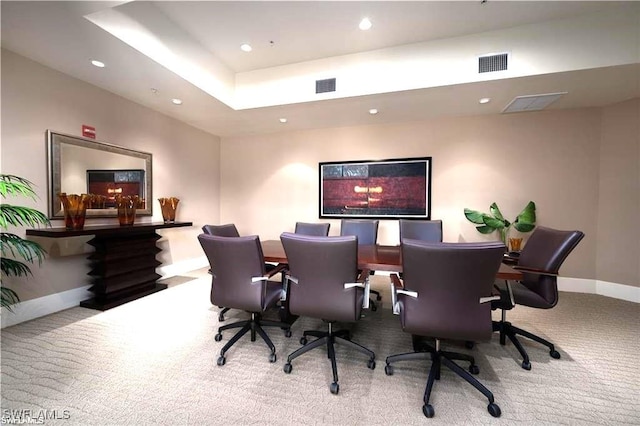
[495, 221]
[15, 249]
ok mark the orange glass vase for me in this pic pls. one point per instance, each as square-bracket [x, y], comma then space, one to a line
[126, 205]
[169, 206]
[75, 209]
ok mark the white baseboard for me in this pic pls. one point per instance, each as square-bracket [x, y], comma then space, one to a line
[36, 308]
[183, 267]
[603, 288]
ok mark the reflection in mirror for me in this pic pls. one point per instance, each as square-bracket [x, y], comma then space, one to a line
[75, 165]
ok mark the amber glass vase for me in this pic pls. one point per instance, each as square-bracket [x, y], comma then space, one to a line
[169, 206]
[75, 209]
[126, 205]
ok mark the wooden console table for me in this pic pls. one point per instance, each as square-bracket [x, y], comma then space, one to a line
[123, 266]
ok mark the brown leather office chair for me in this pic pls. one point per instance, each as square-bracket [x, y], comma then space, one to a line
[323, 273]
[447, 287]
[539, 260]
[423, 230]
[227, 230]
[317, 229]
[367, 233]
[239, 281]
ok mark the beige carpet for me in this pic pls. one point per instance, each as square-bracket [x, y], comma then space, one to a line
[153, 361]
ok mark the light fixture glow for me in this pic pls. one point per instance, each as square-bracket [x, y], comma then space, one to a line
[373, 111]
[246, 47]
[283, 120]
[176, 101]
[365, 24]
[484, 100]
[97, 64]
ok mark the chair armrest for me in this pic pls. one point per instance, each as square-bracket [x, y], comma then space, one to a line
[363, 282]
[489, 299]
[398, 288]
[279, 268]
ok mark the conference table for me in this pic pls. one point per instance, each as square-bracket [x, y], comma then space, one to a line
[374, 258]
[371, 257]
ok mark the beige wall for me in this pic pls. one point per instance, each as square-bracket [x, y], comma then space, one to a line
[552, 158]
[185, 161]
[618, 238]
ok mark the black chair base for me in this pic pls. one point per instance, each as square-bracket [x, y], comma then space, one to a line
[506, 329]
[445, 358]
[329, 338]
[254, 325]
[221, 314]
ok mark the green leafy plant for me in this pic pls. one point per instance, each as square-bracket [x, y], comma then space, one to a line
[495, 221]
[12, 246]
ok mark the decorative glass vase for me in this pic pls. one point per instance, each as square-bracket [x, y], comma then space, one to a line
[169, 206]
[75, 209]
[126, 205]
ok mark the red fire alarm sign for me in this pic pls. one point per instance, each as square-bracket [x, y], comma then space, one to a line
[88, 131]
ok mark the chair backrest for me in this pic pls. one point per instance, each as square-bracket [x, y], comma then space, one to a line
[450, 279]
[365, 230]
[234, 262]
[423, 230]
[317, 229]
[321, 266]
[228, 230]
[546, 249]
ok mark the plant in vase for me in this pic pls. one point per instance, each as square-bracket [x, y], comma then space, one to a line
[13, 246]
[495, 221]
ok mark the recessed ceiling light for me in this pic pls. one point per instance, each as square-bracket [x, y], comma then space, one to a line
[283, 120]
[373, 111]
[176, 101]
[97, 64]
[154, 90]
[484, 100]
[246, 48]
[365, 24]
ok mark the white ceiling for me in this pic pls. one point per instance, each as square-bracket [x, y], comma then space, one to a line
[57, 35]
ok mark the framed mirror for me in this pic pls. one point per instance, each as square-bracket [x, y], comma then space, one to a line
[78, 165]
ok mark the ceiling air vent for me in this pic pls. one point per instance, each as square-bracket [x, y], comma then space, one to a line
[532, 102]
[491, 63]
[324, 86]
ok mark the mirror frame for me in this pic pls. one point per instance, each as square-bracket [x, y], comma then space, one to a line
[54, 173]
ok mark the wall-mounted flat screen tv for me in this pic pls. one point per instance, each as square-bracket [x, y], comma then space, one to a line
[385, 189]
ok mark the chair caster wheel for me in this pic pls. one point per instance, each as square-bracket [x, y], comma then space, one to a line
[427, 410]
[287, 368]
[303, 340]
[272, 357]
[220, 318]
[378, 298]
[287, 333]
[474, 369]
[221, 361]
[494, 410]
[388, 370]
[334, 388]
[218, 337]
[469, 345]
[371, 365]
[554, 354]
[526, 365]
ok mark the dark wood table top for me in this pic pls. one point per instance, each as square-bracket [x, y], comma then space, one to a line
[105, 229]
[374, 258]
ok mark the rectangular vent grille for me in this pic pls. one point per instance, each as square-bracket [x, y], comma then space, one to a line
[493, 63]
[324, 86]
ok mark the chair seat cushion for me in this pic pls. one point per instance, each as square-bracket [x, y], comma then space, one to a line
[521, 296]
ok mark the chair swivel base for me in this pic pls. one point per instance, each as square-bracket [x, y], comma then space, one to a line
[254, 325]
[329, 338]
[506, 329]
[438, 359]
